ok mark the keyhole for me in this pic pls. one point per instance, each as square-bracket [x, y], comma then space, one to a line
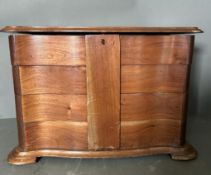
[103, 41]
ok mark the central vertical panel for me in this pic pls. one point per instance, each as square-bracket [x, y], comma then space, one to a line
[103, 91]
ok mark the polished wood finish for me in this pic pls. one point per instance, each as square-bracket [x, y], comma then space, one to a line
[56, 135]
[19, 157]
[150, 133]
[153, 78]
[106, 29]
[50, 79]
[161, 49]
[20, 122]
[48, 50]
[103, 91]
[153, 106]
[53, 107]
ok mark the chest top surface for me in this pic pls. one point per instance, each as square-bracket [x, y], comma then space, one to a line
[100, 30]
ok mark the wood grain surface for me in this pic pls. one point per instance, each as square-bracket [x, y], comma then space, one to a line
[56, 134]
[52, 107]
[100, 91]
[99, 29]
[50, 79]
[47, 50]
[153, 78]
[147, 106]
[150, 133]
[19, 157]
[20, 123]
[103, 91]
[159, 49]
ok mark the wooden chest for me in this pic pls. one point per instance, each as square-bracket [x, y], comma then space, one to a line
[101, 91]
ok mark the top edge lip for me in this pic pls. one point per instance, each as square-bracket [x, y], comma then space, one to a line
[98, 29]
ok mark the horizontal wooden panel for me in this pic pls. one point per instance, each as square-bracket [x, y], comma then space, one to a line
[50, 79]
[153, 78]
[47, 50]
[159, 49]
[46, 107]
[57, 135]
[144, 106]
[150, 133]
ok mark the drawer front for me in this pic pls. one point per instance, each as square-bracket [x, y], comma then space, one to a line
[52, 107]
[47, 50]
[153, 78]
[156, 49]
[56, 135]
[150, 106]
[50, 79]
[154, 72]
[150, 133]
